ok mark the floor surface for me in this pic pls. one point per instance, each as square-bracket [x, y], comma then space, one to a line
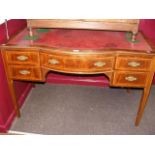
[85, 110]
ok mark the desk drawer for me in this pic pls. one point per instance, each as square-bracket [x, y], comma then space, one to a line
[24, 72]
[133, 63]
[130, 79]
[77, 63]
[18, 57]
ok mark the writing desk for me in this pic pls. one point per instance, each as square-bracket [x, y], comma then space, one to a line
[125, 62]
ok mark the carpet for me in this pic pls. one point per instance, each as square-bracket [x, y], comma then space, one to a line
[84, 110]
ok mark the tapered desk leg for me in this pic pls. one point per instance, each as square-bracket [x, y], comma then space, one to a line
[11, 87]
[144, 98]
[13, 95]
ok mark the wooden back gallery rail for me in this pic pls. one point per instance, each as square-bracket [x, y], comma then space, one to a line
[98, 24]
[81, 47]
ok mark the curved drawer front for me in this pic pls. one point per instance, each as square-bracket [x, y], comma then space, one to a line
[77, 63]
[130, 79]
[20, 57]
[24, 72]
[133, 63]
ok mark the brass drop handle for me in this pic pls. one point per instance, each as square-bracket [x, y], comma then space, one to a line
[131, 78]
[53, 61]
[22, 58]
[99, 64]
[24, 72]
[134, 64]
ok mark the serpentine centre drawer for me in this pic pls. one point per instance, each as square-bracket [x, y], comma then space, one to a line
[77, 63]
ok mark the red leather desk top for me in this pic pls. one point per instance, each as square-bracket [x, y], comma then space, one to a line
[80, 39]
